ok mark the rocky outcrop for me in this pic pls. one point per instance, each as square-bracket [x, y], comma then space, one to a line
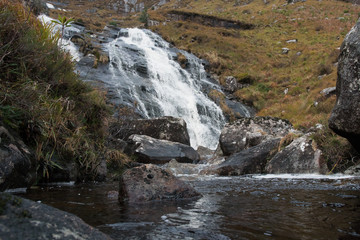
[208, 20]
[165, 128]
[17, 170]
[345, 117]
[25, 219]
[249, 132]
[149, 182]
[300, 156]
[151, 150]
[249, 161]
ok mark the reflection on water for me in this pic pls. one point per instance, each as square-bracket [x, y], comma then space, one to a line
[250, 207]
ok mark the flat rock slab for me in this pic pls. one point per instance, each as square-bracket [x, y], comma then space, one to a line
[151, 150]
[150, 182]
[24, 219]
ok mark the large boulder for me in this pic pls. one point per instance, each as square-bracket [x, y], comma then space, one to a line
[149, 182]
[249, 161]
[300, 156]
[249, 132]
[345, 117]
[17, 169]
[25, 219]
[166, 128]
[151, 150]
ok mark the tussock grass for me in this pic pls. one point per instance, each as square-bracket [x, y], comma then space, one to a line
[59, 116]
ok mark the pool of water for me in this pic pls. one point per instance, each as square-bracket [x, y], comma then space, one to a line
[248, 207]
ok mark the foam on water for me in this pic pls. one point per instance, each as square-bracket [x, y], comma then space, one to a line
[304, 176]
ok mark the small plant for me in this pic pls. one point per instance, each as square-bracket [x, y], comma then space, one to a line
[64, 22]
[144, 17]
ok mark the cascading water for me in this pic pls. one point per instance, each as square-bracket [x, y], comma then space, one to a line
[146, 75]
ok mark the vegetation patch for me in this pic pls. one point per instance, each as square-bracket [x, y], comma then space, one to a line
[60, 117]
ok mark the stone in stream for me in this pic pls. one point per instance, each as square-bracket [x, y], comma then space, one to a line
[151, 150]
[345, 117]
[17, 169]
[166, 128]
[300, 156]
[249, 161]
[249, 132]
[25, 219]
[150, 182]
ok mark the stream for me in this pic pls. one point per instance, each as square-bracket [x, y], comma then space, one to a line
[246, 207]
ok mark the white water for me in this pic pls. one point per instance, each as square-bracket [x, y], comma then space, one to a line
[167, 90]
[64, 43]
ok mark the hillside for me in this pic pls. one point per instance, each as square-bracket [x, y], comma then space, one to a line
[282, 62]
[282, 84]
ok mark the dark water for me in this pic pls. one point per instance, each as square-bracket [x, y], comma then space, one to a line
[249, 207]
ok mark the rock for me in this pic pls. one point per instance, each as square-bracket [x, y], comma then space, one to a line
[285, 50]
[328, 91]
[240, 110]
[231, 84]
[205, 154]
[345, 116]
[181, 168]
[249, 161]
[166, 128]
[354, 170]
[37, 6]
[25, 219]
[300, 156]
[249, 132]
[151, 150]
[17, 167]
[149, 182]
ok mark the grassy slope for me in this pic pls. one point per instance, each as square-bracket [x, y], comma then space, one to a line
[319, 27]
[61, 118]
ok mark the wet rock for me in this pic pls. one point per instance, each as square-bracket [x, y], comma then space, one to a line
[17, 169]
[181, 168]
[240, 110]
[345, 116]
[205, 154]
[165, 128]
[249, 132]
[249, 161]
[354, 170]
[300, 156]
[151, 150]
[25, 219]
[149, 182]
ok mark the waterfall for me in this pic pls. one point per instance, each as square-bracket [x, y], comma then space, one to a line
[145, 74]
